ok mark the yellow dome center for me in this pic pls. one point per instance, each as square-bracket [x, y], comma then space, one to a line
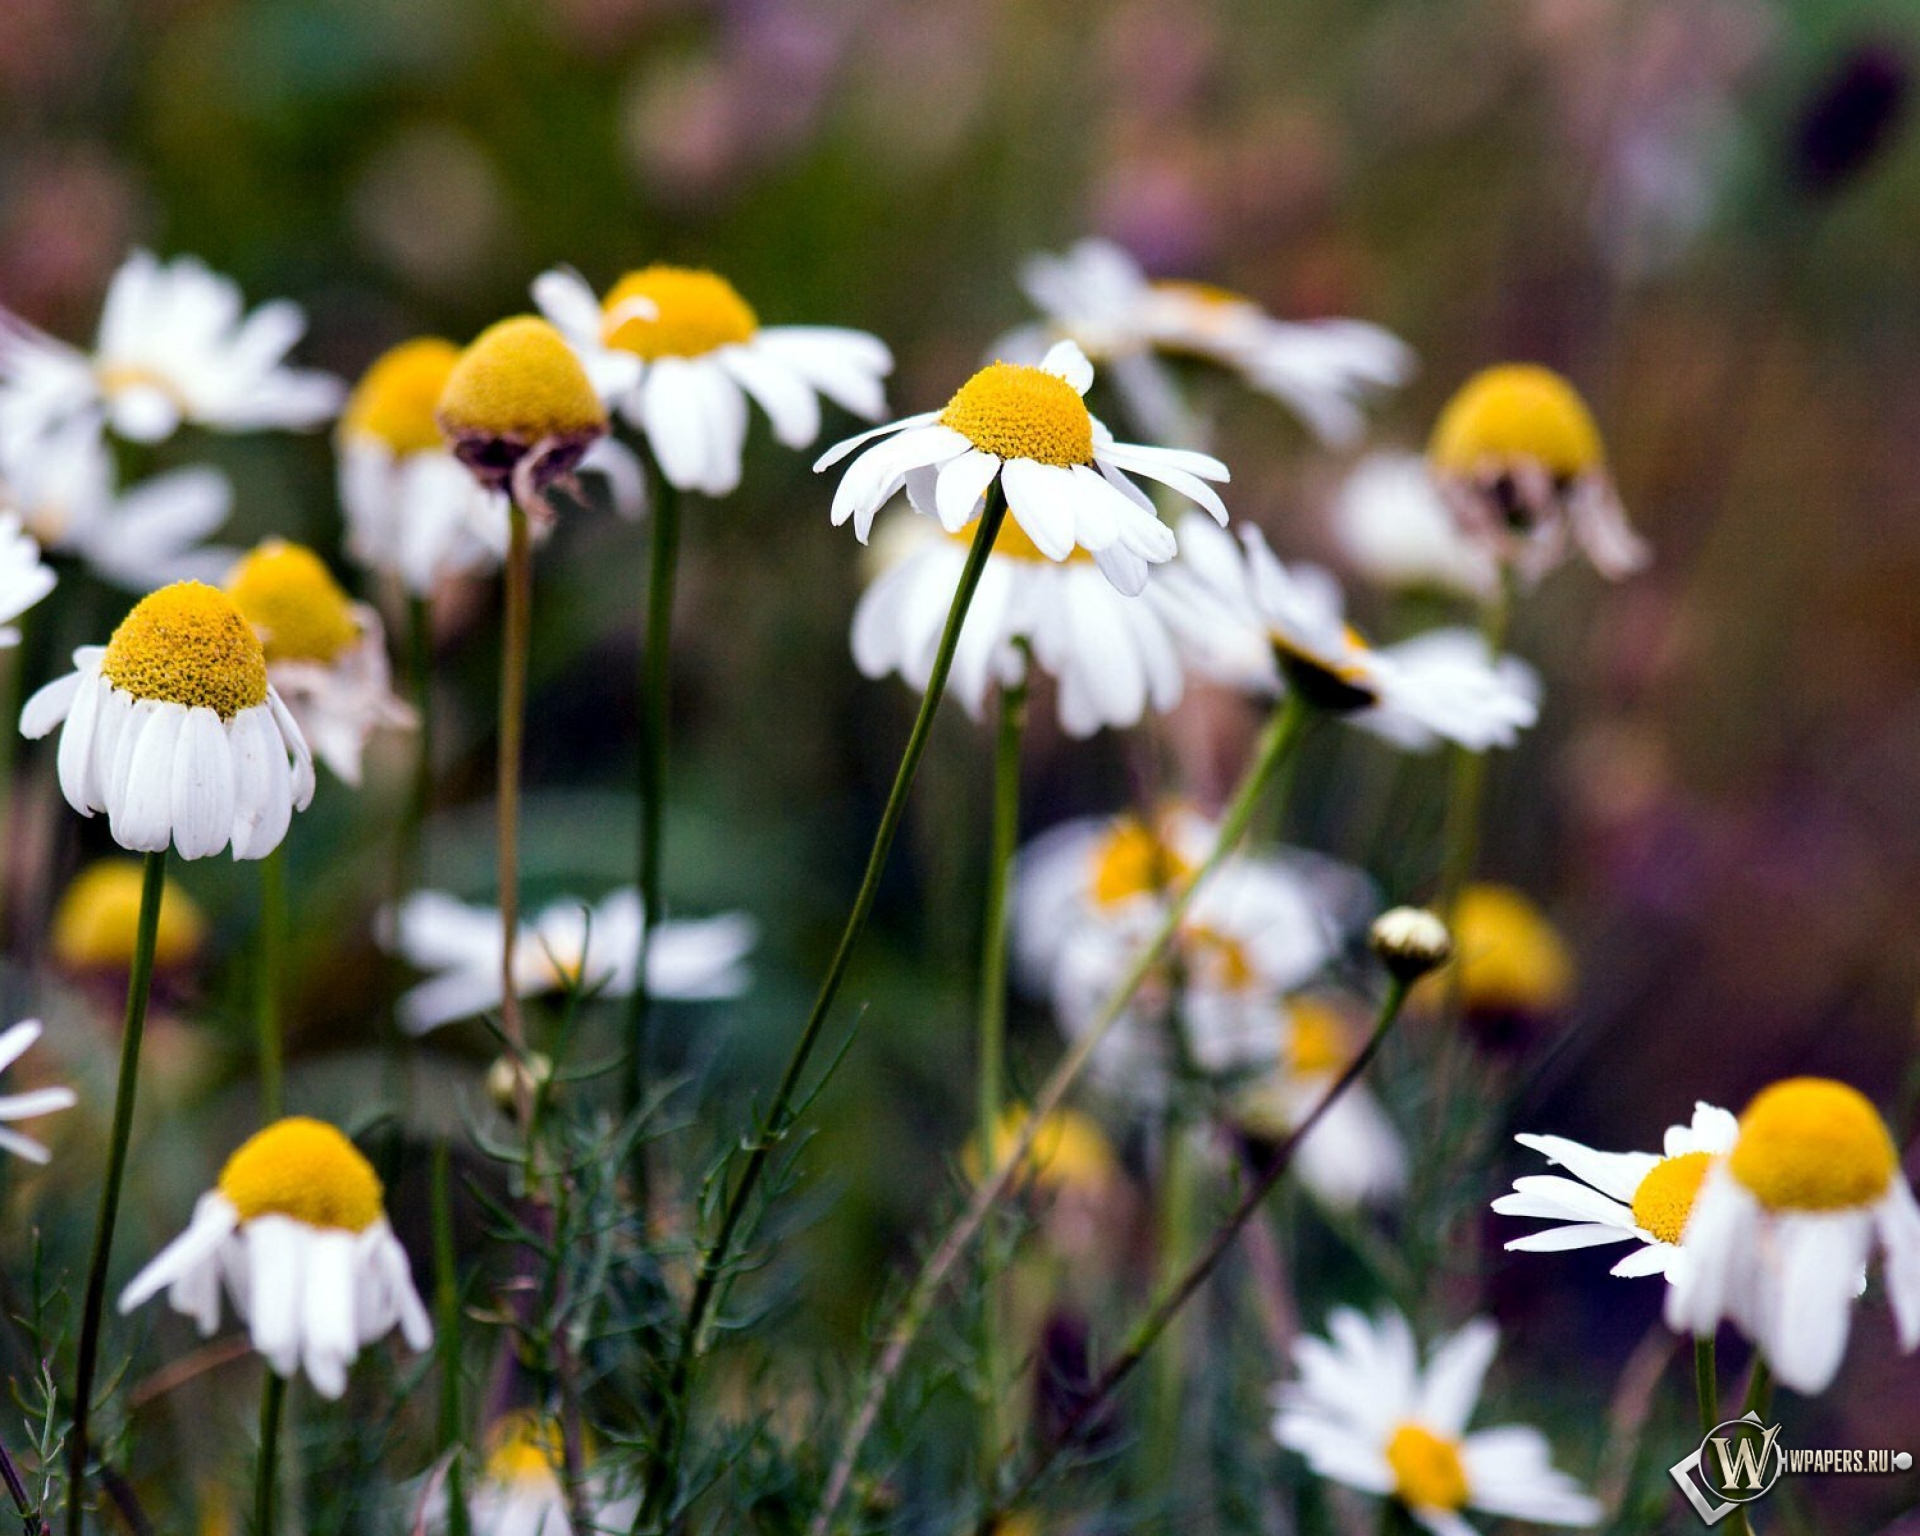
[524, 1448]
[395, 398]
[1516, 413]
[305, 1169]
[1427, 1470]
[519, 379]
[1069, 1152]
[1012, 543]
[1018, 412]
[1811, 1144]
[1133, 861]
[287, 593]
[1317, 1043]
[188, 644]
[1664, 1200]
[97, 918]
[1510, 957]
[663, 311]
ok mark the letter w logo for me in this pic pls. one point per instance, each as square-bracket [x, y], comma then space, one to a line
[1747, 1466]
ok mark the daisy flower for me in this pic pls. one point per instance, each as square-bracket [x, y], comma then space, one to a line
[1396, 530]
[97, 919]
[35, 1102]
[1028, 431]
[1364, 1412]
[297, 1229]
[24, 577]
[326, 655]
[1516, 971]
[1098, 297]
[1784, 1225]
[175, 345]
[568, 944]
[1621, 1197]
[517, 410]
[1286, 627]
[1519, 460]
[519, 1491]
[678, 353]
[173, 729]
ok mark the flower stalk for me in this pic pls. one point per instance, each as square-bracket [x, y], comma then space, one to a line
[269, 979]
[515, 643]
[273, 1399]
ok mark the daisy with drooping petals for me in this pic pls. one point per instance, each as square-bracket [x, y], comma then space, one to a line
[1028, 431]
[173, 729]
[1783, 1227]
[14, 1043]
[1365, 1413]
[567, 944]
[678, 353]
[97, 918]
[297, 1229]
[326, 655]
[519, 1491]
[518, 411]
[1620, 1197]
[1397, 531]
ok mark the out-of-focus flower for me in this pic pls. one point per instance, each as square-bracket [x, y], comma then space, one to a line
[175, 345]
[173, 730]
[1621, 1197]
[97, 919]
[297, 1228]
[326, 655]
[24, 577]
[1070, 1153]
[1519, 460]
[1365, 1413]
[519, 1492]
[678, 353]
[1278, 626]
[1783, 1227]
[568, 944]
[518, 409]
[35, 1102]
[1515, 968]
[1396, 531]
[1097, 296]
[1065, 478]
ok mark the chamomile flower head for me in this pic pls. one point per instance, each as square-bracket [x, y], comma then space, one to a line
[1622, 1197]
[1397, 531]
[326, 654]
[519, 1491]
[679, 353]
[30, 1105]
[517, 408]
[296, 1227]
[97, 919]
[1516, 971]
[1065, 479]
[1519, 460]
[568, 944]
[1365, 1412]
[174, 730]
[1784, 1225]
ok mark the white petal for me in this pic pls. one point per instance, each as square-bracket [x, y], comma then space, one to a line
[202, 786]
[1034, 503]
[143, 821]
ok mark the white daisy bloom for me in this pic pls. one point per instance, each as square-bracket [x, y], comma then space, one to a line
[1784, 1226]
[14, 1043]
[678, 353]
[173, 729]
[569, 943]
[1394, 527]
[519, 1491]
[1282, 626]
[1364, 1412]
[1097, 296]
[1065, 479]
[175, 345]
[1621, 1197]
[297, 1229]
[24, 577]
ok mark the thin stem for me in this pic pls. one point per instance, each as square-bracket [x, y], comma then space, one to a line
[1759, 1397]
[31, 1523]
[515, 641]
[1706, 1384]
[273, 1399]
[269, 979]
[715, 1259]
[139, 982]
[446, 1306]
[1179, 1190]
[1277, 742]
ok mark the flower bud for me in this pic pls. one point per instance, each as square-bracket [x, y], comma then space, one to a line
[508, 1076]
[1410, 942]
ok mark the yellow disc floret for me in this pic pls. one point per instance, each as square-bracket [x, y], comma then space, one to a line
[1132, 860]
[1518, 413]
[305, 1169]
[1511, 958]
[98, 915]
[1069, 1152]
[519, 379]
[1317, 1040]
[1012, 543]
[188, 644]
[1217, 961]
[1664, 1199]
[1811, 1144]
[1018, 412]
[288, 594]
[524, 1447]
[1427, 1470]
[395, 398]
[663, 311]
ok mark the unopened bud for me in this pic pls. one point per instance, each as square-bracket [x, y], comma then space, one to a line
[508, 1078]
[1410, 941]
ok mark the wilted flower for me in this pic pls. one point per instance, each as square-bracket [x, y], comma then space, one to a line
[1397, 531]
[518, 410]
[97, 919]
[35, 1102]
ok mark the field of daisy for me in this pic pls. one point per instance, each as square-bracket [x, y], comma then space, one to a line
[818, 768]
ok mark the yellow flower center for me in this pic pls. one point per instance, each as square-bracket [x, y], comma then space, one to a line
[1427, 1470]
[663, 311]
[519, 380]
[395, 399]
[1317, 1042]
[117, 378]
[1069, 1152]
[99, 914]
[524, 1448]
[1012, 543]
[1517, 412]
[1664, 1200]
[1133, 861]
[1218, 961]
[1511, 958]
[1811, 1144]
[288, 594]
[188, 644]
[1205, 295]
[304, 1169]
[1018, 412]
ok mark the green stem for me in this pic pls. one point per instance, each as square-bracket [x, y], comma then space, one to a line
[515, 642]
[1179, 1191]
[269, 979]
[1759, 1398]
[273, 1397]
[446, 1306]
[716, 1257]
[1706, 1384]
[139, 982]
